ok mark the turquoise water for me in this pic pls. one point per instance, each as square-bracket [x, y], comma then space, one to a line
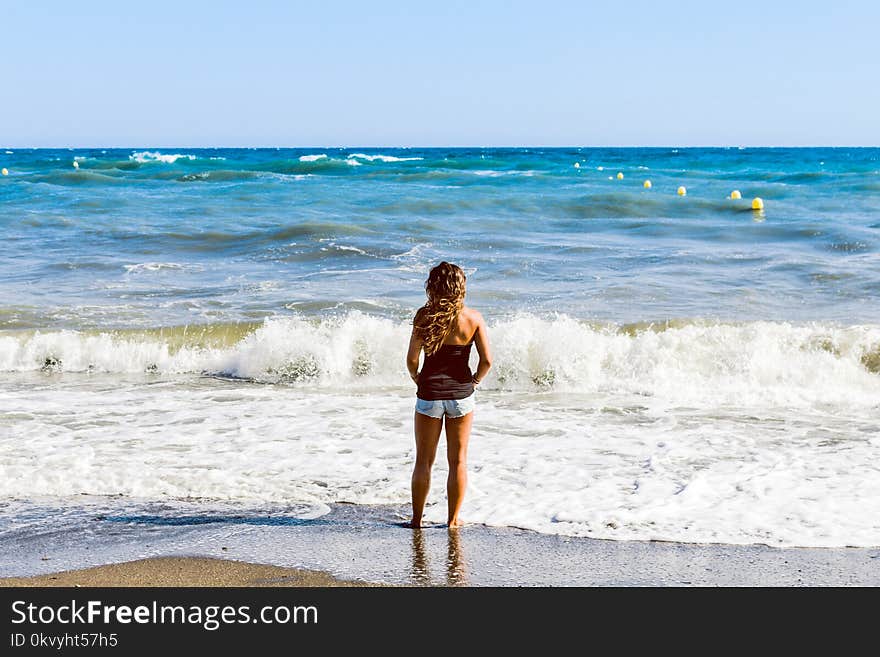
[206, 328]
[146, 238]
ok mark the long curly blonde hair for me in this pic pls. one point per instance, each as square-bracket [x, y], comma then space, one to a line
[445, 288]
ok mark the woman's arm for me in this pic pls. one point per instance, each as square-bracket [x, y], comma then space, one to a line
[481, 339]
[412, 355]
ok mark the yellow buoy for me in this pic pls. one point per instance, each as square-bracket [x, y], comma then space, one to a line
[757, 203]
[75, 164]
[682, 191]
[735, 195]
[619, 175]
[647, 184]
[4, 171]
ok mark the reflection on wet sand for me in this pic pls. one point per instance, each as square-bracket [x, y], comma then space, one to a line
[456, 571]
[421, 569]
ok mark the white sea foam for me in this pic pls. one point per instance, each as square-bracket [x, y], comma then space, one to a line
[156, 156]
[742, 433]
[266, 286]
[489, 173]
[284, 177]
[492, 173]
[343, 247]
[754, 363]
[418, 258]
[157, 266]
[312, 158]
[382, 158]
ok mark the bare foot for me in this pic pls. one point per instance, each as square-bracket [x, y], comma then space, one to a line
[455, 524]
[412, 524]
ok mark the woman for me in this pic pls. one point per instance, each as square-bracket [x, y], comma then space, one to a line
[445, 329]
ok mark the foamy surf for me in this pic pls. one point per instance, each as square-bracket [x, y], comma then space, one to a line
[156, 156]
[756, 432]
[612, 465]
[382, 158]
[689, 362]
[158, 266]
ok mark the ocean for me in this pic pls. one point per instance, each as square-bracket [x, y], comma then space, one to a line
[199, 330]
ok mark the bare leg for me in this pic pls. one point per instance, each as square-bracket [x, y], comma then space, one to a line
[458, 432]
[427, 430]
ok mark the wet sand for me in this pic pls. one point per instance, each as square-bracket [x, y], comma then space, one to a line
[355, 544]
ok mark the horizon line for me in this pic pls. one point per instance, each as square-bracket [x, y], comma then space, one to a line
[426, 147]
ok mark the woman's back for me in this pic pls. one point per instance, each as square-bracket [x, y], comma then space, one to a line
[446, 374]
[464, 329]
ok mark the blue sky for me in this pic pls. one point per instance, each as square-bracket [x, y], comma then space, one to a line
[410, 73]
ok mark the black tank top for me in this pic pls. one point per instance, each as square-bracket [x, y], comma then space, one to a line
[446, 373]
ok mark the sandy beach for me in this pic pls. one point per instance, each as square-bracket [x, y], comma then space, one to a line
[182, 571]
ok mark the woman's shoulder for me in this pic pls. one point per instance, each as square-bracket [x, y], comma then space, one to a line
[420, 315]
[471, 316]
